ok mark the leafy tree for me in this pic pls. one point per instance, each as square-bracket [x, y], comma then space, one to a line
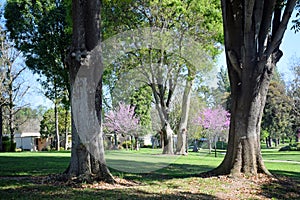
[48, 124]
[253, 32]
[276, 118]
[294, 94]
[123, 121]
[41, 32]
[184, 17]
[222, 93]
[215, 122]
[142, 100]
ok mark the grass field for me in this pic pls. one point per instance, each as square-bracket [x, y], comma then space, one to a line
[23, 175]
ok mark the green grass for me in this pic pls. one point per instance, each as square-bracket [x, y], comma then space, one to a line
[173, 178]
[33, 163]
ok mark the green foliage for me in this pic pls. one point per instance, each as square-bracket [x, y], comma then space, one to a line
[6, 144]
[40, 31]
[222, 93]
[296, 22]
[276, 118]
[47, 125]
[141, 100]
[294, 94]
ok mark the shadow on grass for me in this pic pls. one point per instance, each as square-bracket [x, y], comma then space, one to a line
[32, 165]
[282, 187]
[169, 172]
[26, 190]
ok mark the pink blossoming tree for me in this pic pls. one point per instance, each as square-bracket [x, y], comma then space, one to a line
[215, 122]
[123, 121]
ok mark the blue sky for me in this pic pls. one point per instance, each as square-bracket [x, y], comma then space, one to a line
[291, 49]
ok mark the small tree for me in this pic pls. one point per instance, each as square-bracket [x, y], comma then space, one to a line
[123, 121]
[215, 122]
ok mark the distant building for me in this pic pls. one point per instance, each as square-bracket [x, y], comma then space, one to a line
[28, 136]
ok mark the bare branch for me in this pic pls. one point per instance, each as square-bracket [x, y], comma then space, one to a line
[276, 40]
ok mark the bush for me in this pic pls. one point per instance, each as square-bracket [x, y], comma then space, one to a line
[221, 145]
[128, 143]
[290, 148]
[6, 145]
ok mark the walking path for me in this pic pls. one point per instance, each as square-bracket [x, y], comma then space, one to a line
[283, 161]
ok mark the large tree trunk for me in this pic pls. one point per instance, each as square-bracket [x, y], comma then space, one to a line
[87, 156]
[251, 54]
[185, 108]
[162, 108]
[167, 139]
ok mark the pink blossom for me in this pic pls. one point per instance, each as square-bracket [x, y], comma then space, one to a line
[216, 119]
[122, 120]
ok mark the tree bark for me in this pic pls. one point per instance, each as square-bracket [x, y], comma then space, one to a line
[57, 142]
[251, 56]
[66, 128]
[1, 126]
[11, 109]
[167, 139]
[87, 160]
[182, 132]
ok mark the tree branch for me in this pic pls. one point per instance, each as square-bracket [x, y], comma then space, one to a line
[277, 38]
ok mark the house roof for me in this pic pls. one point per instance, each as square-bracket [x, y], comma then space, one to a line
[30, 126]
[28, 134]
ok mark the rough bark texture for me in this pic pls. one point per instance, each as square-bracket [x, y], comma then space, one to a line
[86, 37]
[162, 107]
[168, 139]
[1, 126]
[181, 147]
[252, 51]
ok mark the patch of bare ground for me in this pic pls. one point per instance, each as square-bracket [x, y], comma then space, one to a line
[261, 187]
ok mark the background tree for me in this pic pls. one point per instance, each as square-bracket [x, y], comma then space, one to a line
[222, 92]
[277, 113]
[13, 87]
[48, 124]
[41, 33]
[184, 17]
[215, 122]
[253, 32]
[123, 121]
[294, 94]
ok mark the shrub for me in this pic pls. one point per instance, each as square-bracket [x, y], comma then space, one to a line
[290, 148]
[128, 143]
[285, 148]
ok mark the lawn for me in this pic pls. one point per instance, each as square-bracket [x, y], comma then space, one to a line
[24, 175]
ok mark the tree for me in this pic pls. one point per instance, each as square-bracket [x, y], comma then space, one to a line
[163, 71]
[13, 87]
[48, 124]
[214, 122]
[44, 41]
[222, 93]
[87, 157]
[253, 32]
[276, 118]
[294, 94]
[123, 121]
